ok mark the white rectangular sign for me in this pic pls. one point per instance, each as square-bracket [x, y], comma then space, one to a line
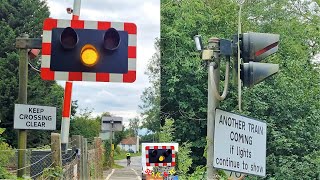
[111, 123]
[239, 143]
[34, 117]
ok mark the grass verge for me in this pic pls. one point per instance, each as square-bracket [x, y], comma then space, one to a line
[122, 155]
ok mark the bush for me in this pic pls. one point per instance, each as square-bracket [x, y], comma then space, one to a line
[6, 154]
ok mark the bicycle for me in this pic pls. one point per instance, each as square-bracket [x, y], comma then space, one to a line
[128, 162]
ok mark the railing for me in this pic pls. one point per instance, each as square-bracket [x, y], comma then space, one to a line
[82, 160]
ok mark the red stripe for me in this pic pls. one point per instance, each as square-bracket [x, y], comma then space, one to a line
[172, 147]
[129, 77]
[173, 164]
[47, 74]
[261, 51]
[155, 147]
[131, 28]
[173, 156]
[75, 76]
[148, 164]
[46, 48]
[103, 25]
[67, 100]
[156, 164]
[103, 77]
[147, 155]
[77, 24]
[49, 24]
[164, 147]
[132, 51]
[147, 147]
[164, 164]
[75, 17]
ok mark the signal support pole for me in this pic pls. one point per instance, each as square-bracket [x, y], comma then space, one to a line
[213, 103]
[65, 123]
[22, 99]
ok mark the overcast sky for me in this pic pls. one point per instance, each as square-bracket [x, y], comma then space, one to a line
[120, 99]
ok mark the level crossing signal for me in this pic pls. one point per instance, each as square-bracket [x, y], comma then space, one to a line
[77, 50]
[254, 47]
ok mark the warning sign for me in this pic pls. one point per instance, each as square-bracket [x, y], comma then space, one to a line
[239, 143]
[34, 117]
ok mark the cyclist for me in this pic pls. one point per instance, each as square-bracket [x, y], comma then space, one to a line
[128, 159]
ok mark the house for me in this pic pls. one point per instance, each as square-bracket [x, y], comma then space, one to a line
[130, 144]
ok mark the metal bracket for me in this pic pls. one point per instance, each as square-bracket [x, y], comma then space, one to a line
[207, 54]
[29, 43]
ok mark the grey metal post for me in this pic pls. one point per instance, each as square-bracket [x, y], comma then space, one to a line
[22, 99]
[213, 103]
[112, 126]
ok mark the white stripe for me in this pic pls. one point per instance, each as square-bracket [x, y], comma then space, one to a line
[90, 25]
[108, 177]
[132, 63]
[58, 75]
[45, 61]
[46, 36]
[65, 124]
[86, 76]
[138, 177]
[132, 39]
[116, 77]
[118, 25]
[168, 164]
[151, 147]
[62, 23]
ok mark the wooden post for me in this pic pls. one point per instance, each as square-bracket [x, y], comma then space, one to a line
[98, 147]
[56, 149]
[96, 156]
[83, 172]
[85, 158]
[76, 142]
[22, 99]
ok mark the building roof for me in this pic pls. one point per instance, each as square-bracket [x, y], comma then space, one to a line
[129, 140]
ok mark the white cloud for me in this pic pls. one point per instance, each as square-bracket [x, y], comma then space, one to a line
[119, 99]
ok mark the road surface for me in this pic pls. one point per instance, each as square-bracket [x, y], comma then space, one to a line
[132, 172]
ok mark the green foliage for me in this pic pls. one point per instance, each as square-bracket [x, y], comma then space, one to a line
[134, 126]
[184, 160]
[85, 125]
[54, 173]
[166, 131]
[6, 154]
[289, 102]
[151, 95]
[122, 154]
[19, 17]
[107, 155]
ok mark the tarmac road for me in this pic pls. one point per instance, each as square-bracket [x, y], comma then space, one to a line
[132, 172]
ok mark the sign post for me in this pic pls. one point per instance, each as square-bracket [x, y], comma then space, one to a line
[240, 144]
[111, 124]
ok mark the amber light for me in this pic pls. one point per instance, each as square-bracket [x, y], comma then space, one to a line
[89, 55]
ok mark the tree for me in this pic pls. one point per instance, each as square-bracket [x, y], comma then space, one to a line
[151, 95]
[288, 102]
[85, 125]
[19, 17]
[134, 126]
